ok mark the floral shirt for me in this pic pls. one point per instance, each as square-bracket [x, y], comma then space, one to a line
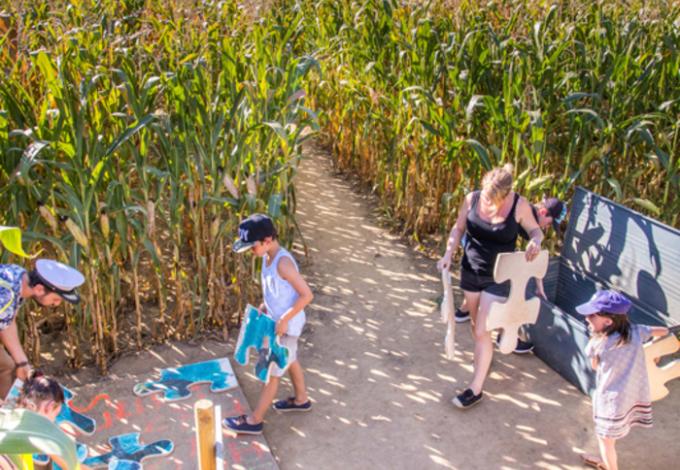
[11, 276]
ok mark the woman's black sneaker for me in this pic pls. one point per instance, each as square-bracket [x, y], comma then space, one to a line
[467, 399]
[462, 317]
[523, 347]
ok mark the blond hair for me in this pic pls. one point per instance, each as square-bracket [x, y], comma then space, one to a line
[497, 183]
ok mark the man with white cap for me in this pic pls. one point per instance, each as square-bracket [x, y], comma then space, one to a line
[48, 284]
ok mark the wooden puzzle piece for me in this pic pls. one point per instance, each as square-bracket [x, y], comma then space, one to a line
[175, 381]
[84, 424]
[127, 452]
[515, 311]
[447, 314]
[255, 329]
[658, 376]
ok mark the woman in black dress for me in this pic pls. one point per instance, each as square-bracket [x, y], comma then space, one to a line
[490, 219]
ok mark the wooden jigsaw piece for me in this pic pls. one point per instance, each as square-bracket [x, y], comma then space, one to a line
[515, 311]
[256, 327]
[447, 314]
[175, 381]
[127, 452]
[658, 376]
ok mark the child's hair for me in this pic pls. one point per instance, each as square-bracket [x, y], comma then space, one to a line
[497, 183]
[620, 325]
[39, 389]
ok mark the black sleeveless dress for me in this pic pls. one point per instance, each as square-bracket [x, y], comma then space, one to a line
[483, 242]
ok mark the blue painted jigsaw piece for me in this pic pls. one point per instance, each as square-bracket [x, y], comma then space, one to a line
[127, 453]
[81, 453]
[256, 327]
[82, 423]
[175, 382]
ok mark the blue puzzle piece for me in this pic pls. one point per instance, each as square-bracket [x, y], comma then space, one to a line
[255, 329]
[117, 464]
[127, 453]
[175, 382]
[81, 453]
[82, 423]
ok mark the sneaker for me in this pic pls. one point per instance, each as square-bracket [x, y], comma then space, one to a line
[462, 317]
[523, 347]
[289, 405]
[240, 425]
[467, 399]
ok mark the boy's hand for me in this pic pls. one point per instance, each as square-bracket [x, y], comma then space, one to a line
[262, 308]
[281, 327]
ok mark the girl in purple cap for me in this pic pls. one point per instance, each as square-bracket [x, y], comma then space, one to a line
[621, 399]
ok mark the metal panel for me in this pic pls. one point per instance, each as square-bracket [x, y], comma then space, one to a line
[606, 246]
[622, 249]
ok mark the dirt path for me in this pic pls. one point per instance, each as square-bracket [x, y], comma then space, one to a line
[373, 354]
[381, 387]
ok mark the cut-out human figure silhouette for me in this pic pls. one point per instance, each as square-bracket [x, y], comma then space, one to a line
[658, 376]
[127, 452]
[509, 315]
[259, 331]
[175, 381]
[84, 424]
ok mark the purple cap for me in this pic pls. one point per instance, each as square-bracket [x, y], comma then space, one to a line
[605, 301]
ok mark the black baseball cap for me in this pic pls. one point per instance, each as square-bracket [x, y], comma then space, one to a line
[255, 228]
[557, 210]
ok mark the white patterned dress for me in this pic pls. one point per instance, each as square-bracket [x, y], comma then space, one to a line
[621, 398]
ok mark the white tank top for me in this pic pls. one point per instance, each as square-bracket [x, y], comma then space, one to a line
[279, 296]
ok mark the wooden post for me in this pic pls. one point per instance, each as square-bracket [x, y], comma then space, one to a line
[204, 414]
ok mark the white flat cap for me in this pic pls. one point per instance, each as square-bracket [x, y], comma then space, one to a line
[60, 278]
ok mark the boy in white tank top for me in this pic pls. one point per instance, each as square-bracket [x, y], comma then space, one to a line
[285, 295]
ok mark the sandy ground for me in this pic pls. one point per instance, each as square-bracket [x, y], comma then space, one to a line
[373, 349]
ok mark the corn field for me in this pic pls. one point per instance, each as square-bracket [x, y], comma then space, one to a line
[420, 99]
[135, 134]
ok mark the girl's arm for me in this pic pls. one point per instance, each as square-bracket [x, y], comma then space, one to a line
[657, 331]
[594, 362]
[457, 232]
[287, 271]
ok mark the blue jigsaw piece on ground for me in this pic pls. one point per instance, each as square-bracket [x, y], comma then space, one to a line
[175, 382]
[255, 329]
[127, 453]
[117, 464]
[81, 453]
[84, 424]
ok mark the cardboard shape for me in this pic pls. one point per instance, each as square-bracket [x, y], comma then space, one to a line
[83, 423]
[658, 376]
[447, 314]
[259, 332]
[127, 452]
[515, 311]
[175, 381]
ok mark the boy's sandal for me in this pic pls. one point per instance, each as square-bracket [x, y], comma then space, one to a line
[594, 462]
[289, 405]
